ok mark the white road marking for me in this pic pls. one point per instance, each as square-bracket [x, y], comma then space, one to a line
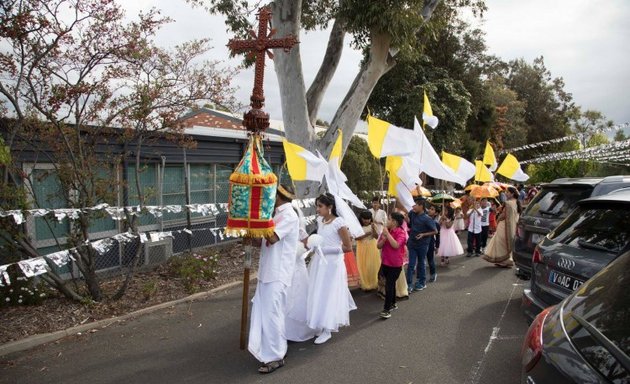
[477, 369]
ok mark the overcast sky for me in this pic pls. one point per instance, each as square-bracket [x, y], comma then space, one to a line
[585, 42]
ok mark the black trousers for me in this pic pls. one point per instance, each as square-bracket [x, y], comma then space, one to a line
[391, 275]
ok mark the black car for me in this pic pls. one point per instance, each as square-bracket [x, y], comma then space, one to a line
[592, 236]
[552, 205]
[585, 338]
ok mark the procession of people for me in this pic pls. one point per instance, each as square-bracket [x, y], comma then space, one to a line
[299, 302]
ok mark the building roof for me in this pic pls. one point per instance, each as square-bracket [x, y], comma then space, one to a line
[211, 122]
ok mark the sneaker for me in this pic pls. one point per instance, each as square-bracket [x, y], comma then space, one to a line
[468, 254]
[410, 288]
[323, 337]
[393, 307]
[433, 278]
[385, 314]
[419, 287]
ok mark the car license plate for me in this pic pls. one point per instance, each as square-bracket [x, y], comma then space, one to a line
[564, 281]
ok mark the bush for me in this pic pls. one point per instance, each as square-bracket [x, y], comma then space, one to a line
[22, 291]
[193, 269]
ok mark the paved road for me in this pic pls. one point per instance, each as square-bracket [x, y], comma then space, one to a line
[464, 328]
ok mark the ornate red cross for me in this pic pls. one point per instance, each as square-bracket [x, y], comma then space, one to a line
[256, 120]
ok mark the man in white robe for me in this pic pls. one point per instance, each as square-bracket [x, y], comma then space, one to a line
[267, 339]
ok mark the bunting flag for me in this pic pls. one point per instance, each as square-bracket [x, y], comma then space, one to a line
[511, 169]
[302, 164]
[482, 173]
[337, 149]
[427, 113]
[397, 188]
[461, 166]
[429, 160]
[385, 139]
[488, 157]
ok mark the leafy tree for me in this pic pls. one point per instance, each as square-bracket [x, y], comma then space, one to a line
[589, 124]
[385, 30]
[620, 136]
[548, 106]
[509, 129]
[67, 77]
[363, 171]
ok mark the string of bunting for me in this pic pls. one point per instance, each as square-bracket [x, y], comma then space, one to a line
[619, 150]
[118, 213]
[578, 136]
[38, 265]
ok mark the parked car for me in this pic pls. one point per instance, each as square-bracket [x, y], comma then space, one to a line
[552, 205]
[585, 338]
[593, 235]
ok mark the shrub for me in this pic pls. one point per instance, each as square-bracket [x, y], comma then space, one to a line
[193, 269]
[22, 291]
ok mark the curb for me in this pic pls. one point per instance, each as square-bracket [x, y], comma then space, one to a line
[43, 338]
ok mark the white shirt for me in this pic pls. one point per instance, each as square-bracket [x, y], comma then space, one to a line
[474, 220]
[380, 218]
[277, 261]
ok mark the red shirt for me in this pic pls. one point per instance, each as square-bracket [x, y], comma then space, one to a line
[394, 257]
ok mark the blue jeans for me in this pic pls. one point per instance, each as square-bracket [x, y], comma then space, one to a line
[417, 254]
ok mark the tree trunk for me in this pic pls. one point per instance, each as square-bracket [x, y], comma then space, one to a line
[349, 112]
[287, 20]
[315, 93]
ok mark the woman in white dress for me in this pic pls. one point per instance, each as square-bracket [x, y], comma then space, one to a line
[329, 299]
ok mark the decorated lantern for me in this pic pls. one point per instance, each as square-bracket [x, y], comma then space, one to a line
[252, 194]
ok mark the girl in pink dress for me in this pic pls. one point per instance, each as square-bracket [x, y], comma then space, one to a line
[449, 242]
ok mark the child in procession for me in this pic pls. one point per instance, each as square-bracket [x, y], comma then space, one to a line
[449, 242]
[392, 246]
[368, 255]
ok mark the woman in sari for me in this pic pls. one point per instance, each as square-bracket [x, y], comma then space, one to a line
[499, 250]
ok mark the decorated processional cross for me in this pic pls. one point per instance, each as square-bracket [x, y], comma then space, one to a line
[253, 183]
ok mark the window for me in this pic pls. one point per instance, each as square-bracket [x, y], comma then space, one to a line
[174, 191]
[556, 202]
[604, 228]
[222, 182]
[149, 185]
[201, 185]
[49, 194]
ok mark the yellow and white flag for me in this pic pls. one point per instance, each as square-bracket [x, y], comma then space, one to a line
[302, 164]
[385, 139]
[427, 113]
[482, 173]
[461, 166]
[511, 168]
[488, 157]
[398, 188]
[337, 148]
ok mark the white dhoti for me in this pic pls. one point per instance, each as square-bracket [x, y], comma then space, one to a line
[267, 340]
[297, 299]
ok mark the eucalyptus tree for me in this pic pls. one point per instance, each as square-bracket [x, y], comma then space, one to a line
[384, 30]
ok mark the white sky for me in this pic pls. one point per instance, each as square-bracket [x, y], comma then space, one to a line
[584, 42]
